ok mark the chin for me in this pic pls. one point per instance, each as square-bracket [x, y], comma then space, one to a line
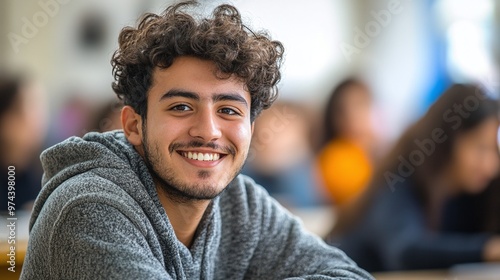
[211, 181]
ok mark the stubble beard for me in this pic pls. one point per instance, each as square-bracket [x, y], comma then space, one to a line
[165, 178]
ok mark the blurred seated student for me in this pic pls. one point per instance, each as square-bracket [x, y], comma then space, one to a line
[281, 157]
[72, 118]
[349, 145]
[106, 117]
[22, 132]
[403, 221]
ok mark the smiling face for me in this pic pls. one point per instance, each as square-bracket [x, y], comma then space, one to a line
[197, 133]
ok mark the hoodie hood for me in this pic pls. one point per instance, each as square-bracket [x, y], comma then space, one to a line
[75, 156]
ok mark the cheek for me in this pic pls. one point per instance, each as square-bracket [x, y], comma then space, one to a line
[475, 166]
[240, 136]
[470, 161]
[162, 133]
[491, 163]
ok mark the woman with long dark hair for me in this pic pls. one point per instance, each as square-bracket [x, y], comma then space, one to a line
[405, 220]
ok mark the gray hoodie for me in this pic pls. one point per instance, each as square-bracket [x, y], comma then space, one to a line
[98, 216]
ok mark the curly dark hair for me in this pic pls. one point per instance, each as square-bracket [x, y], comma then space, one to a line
[222, 38]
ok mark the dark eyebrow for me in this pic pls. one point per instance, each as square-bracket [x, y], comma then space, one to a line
[180, 93]
[230, 97]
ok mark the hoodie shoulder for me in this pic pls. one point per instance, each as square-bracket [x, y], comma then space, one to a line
[100, 164]
[76, 155]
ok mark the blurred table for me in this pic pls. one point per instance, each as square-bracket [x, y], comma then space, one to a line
[416, 275]
[478, 271]
[318, 220]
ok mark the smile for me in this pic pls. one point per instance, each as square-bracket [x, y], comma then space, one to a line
[201, 156]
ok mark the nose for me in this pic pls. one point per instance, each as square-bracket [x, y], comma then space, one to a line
[205, 126]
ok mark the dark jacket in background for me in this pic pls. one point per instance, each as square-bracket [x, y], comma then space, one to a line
[393, 234]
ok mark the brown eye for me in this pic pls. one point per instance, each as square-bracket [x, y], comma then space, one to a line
[228, 111]
[181, 107]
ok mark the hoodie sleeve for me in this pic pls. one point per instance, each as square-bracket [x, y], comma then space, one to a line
[287, 251]
[96, 241]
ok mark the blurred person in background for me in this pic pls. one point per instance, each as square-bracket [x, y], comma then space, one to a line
[22, 133]
[405, 219]
[73, 118]
[281, 158]
[349, 146]
[106, 117]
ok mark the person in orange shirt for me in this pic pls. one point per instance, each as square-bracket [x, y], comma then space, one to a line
[345, 160]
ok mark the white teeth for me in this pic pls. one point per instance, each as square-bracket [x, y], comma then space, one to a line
[201, 156]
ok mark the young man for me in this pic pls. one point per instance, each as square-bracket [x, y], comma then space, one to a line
[162, 199]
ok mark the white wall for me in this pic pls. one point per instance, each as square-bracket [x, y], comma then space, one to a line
[396, 62]
[310, 34]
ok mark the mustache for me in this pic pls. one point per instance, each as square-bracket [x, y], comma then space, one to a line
[198, 144]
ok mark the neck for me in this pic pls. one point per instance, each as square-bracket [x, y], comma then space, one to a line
[184, 216]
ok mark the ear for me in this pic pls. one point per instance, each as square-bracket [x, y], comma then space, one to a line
[132, 125]
[252, 128]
